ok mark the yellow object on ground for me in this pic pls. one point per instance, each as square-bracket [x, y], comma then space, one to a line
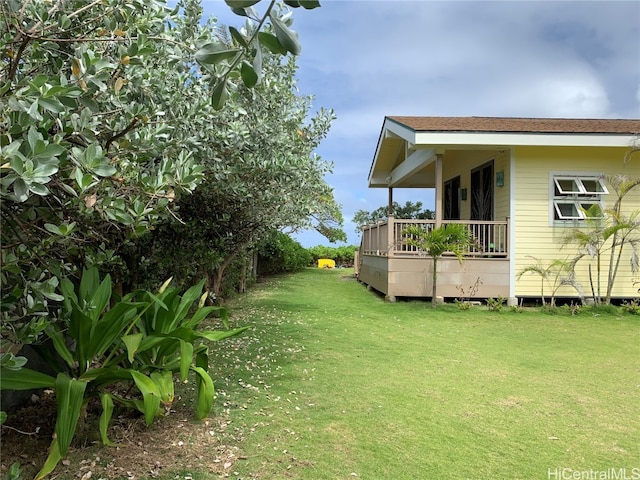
[326, 263]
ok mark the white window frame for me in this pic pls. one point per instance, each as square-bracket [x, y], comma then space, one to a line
[581, 198]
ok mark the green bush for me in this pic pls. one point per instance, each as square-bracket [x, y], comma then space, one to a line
[282, 254]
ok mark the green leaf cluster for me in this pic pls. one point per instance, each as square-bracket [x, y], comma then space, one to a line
[143, 339]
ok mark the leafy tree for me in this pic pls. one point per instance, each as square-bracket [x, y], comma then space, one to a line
[105, 121]
[257, 180]
[407, 211]
[106, 112]
[454, 238]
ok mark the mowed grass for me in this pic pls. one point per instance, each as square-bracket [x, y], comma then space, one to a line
[333, 383]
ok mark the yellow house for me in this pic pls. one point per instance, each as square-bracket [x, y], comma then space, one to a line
[520, 185]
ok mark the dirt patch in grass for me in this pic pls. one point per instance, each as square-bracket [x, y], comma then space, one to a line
[174, 443]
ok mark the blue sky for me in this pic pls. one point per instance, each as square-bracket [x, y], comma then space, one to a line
[366, 59]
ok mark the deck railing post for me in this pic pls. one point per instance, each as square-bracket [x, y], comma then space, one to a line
[391, 247]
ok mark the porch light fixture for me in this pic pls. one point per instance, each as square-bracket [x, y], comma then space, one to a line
[463, 194]
[500, 179]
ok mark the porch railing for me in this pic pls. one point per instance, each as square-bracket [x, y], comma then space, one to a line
[385, 237]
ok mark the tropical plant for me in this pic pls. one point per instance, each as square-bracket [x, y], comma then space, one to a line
[555, 274]
[609, 230]
[495, 304]
[453, 238]
[142, 339]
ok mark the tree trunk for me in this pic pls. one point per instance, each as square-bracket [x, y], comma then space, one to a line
[593, 292]
[243, 277]
[219, 271]
[613, 271]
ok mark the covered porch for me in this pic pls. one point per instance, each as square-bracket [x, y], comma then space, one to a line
[470, 180]
[388, 264]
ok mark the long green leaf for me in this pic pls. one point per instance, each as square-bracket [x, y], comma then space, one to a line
[150, 395]
[110, 328]
[237, 36]
[104, 375]
[68, 293]
[160, 318]
[216, 335]
[132, 342]
[164, 380]
[24, 379]
[206, 392]
[271, 42]
[249, 76]
[286, 37]
[100, 298]
[88, 284]
[186, 357]
[241, 3]
[105, 418]
[201, 314]
[52, 460]
[186, 302]
[202, 358]
[59, 344]
[69, 397]
[215, 52]
[80, 327]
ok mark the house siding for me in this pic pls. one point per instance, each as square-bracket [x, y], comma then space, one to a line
[536, 236]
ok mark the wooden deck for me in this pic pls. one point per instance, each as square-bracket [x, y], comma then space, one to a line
[388, 264]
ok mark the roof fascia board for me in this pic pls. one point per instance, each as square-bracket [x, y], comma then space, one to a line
[402, 131]
[523, 139]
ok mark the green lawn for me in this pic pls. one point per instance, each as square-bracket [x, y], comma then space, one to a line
[333, 383]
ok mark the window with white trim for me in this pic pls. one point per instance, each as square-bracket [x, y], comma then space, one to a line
[573, 194]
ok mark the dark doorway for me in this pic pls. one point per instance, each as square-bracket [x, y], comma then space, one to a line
[452, 199]
[482, 192]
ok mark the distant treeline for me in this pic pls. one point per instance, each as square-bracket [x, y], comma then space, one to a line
[282, 254]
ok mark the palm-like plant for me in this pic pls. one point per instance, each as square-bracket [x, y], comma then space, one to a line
[623, 230]
[609, 229]
[555, 274]
[453, 238]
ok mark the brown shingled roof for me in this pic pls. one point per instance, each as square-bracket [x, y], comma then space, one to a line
[519, 125]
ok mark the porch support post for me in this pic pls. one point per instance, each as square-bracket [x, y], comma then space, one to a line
[390, 207]
[439, 188]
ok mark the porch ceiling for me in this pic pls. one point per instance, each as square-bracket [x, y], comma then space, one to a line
[400, 163]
